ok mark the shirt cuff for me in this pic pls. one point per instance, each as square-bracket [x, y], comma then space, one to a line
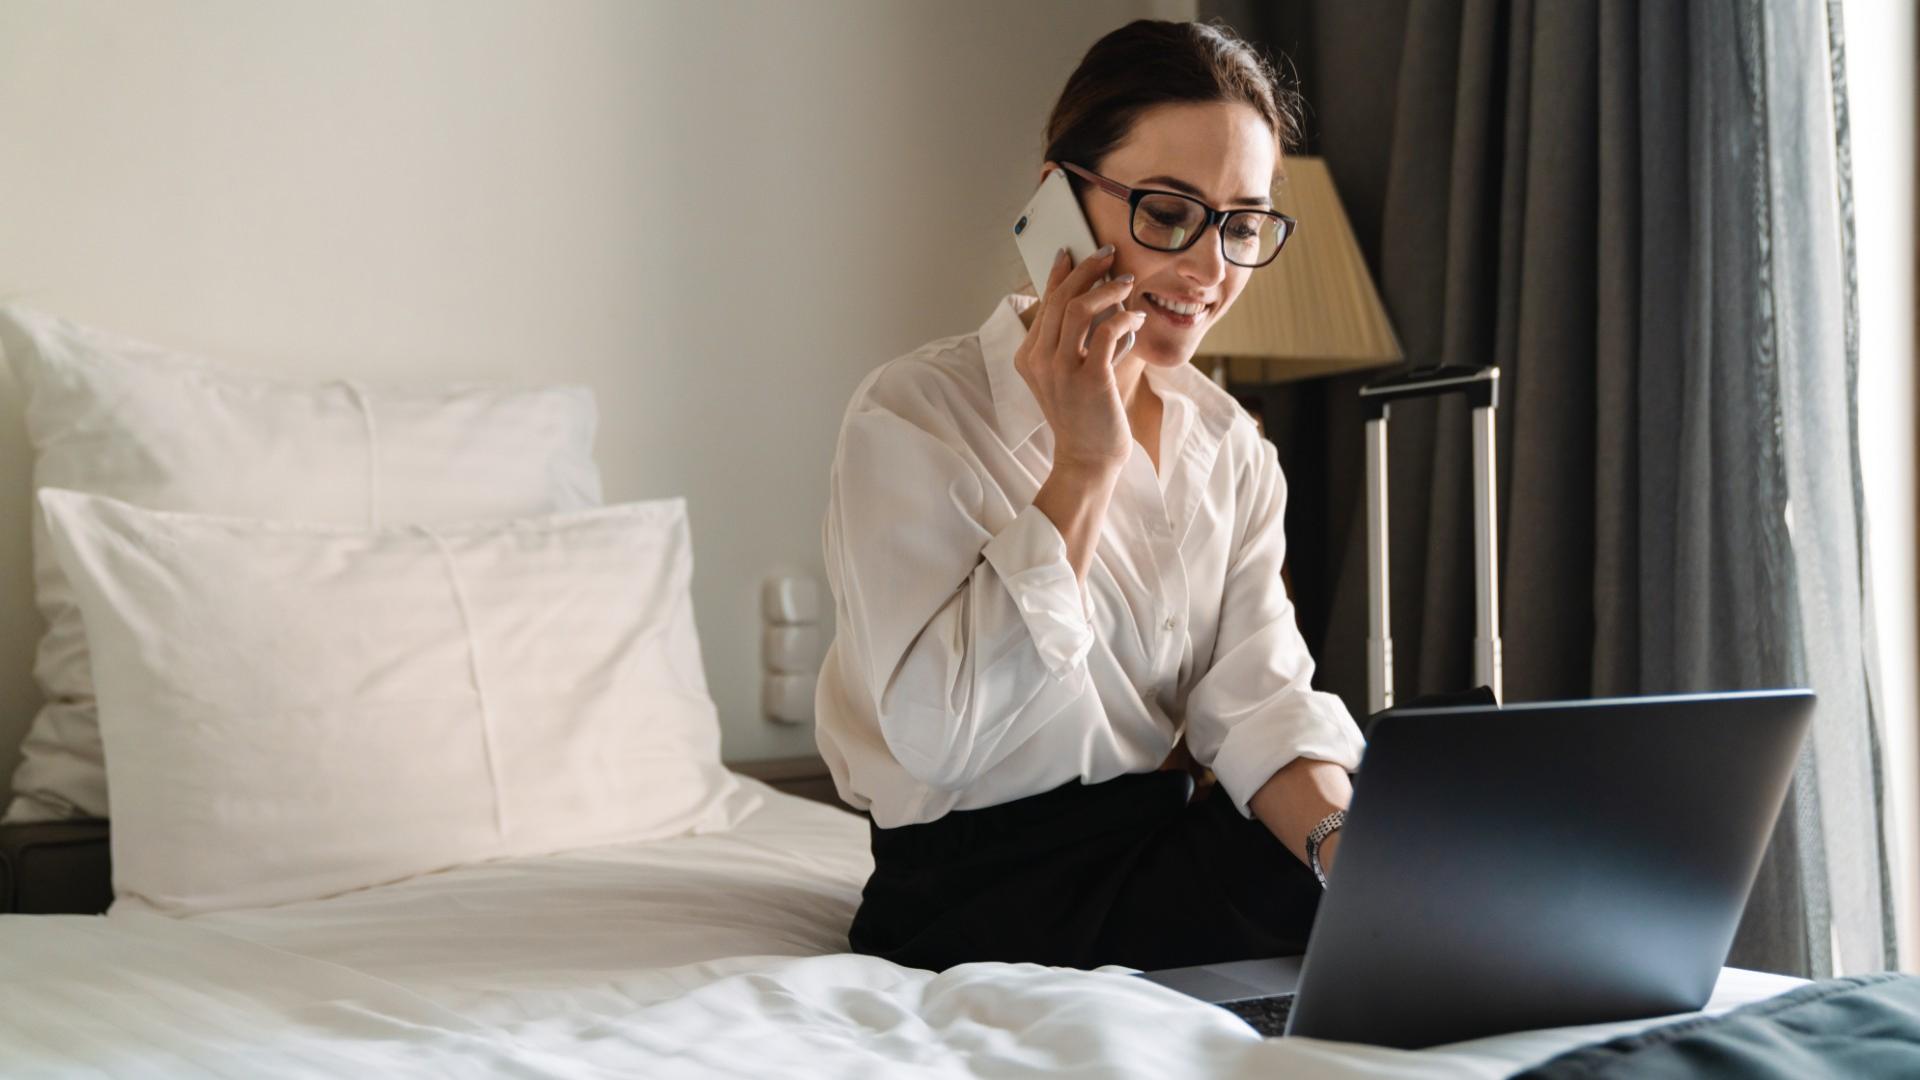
[1030, 557]
[1313, 725]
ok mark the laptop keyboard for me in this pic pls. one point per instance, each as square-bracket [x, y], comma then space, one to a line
[1266, 1015]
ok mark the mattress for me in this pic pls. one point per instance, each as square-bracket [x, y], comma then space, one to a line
[700, 956]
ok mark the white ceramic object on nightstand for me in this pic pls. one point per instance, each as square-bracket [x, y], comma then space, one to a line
[790, 601]
[794, 650]
[793, 646]
[788, 699]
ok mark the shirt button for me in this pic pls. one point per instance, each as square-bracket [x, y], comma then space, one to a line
[1172, 622]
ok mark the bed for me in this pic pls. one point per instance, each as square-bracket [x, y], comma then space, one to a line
[708, 955]
[487, 833]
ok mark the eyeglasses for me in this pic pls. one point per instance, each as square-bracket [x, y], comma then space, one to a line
[1170, 221]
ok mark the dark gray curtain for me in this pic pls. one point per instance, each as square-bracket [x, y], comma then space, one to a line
[1638, 210]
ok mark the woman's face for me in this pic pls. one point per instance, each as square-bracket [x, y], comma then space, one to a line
[1220, 153]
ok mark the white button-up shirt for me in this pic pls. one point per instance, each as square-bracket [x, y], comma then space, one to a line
[969, 667]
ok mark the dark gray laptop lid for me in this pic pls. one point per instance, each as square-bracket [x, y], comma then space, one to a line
[1545, 864]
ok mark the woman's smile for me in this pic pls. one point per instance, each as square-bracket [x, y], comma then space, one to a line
[1177, 313]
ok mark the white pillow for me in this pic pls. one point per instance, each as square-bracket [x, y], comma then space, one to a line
[292, 711]
[160, 429]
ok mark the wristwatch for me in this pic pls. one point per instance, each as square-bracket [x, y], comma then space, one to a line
[1317, 836]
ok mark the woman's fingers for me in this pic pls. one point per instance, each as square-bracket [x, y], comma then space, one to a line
[1062, 266]
[1104, 342]
[1061, 296]
[1045, 330]
[1082, 277]
[1079, 397]
[1084, 309]
[1036, 345]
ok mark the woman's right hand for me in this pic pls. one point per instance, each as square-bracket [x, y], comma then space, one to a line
[1075, 385]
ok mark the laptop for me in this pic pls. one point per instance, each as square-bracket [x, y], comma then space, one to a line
[1532, 866]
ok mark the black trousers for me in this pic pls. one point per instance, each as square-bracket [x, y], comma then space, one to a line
[1125, 872]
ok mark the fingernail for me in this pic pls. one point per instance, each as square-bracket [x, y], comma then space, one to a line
[1059, 255]
[1124, 278]
[1103, 252]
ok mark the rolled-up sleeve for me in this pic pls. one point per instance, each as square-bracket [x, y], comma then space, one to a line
[1254, 710]
[1030, 557]
[965, 639]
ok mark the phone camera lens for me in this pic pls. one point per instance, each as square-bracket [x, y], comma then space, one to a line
[1019, 226]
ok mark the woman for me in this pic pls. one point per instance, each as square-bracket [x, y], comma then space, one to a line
[1050, 566]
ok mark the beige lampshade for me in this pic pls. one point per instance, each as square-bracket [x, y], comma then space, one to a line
[1314, 310]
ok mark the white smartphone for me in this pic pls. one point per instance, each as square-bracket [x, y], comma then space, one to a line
[1051, 221]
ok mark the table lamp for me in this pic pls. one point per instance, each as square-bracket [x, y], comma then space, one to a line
[1314, 311]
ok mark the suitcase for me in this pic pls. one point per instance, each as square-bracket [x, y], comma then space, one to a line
[1482, 386]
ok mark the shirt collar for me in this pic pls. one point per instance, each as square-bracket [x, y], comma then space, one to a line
[1017, 411]
[1214, 409]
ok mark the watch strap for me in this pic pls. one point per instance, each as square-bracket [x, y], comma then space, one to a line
[1317, 836]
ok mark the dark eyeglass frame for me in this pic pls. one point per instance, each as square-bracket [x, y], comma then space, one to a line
[1132, 196]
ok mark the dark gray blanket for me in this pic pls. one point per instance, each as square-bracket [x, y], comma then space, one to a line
[1861, 1026]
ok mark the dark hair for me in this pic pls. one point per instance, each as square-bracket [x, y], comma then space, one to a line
[1148, 63]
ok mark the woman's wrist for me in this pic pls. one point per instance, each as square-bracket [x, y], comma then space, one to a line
[1087, 472]
[1075, 499]
[1298, 797]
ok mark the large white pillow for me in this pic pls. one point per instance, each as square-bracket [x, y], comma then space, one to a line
[165, 430]
[293, 710]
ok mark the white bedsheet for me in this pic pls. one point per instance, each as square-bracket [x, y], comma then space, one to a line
[702, 956]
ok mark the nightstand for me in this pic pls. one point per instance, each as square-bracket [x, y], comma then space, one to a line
[806, 777]
[55, 868]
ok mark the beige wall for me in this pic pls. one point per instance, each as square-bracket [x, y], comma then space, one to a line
[718, 214]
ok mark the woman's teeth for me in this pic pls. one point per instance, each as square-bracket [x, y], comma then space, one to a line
[1177, 309]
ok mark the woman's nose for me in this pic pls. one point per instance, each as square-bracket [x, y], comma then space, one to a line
[1204, 263]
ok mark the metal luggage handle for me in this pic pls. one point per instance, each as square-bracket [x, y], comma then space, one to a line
[1482, 387]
